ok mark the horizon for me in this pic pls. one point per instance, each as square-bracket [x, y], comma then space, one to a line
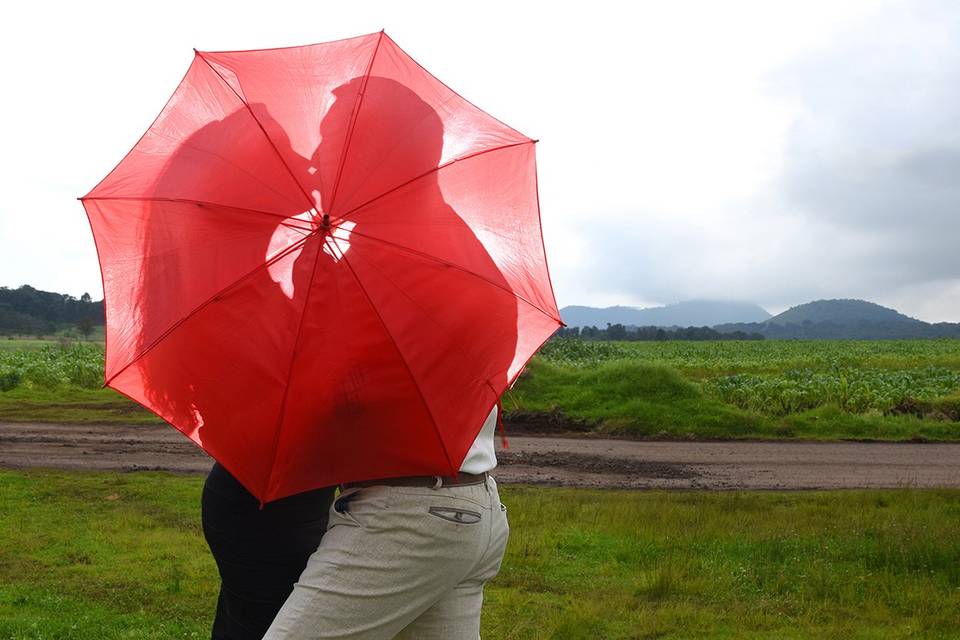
[658, 306]
[773, 152]
[749, 302]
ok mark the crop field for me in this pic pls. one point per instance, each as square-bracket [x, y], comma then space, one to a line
[782, 376]
[708, 358]
[862, 389]
[88, 555]
[884, 389]
[97, 555]
[50, 365]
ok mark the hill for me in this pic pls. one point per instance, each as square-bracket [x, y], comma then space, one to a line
[842, 312]
[844, 319]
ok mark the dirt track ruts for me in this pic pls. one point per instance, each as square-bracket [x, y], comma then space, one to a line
[585, 462]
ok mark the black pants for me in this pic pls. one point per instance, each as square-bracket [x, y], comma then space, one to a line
[260, 553]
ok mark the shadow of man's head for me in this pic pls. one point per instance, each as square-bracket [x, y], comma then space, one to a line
[376, 135]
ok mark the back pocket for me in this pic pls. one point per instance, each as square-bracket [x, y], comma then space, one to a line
[456, 515]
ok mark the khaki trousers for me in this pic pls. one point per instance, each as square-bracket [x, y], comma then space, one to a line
[399, 562]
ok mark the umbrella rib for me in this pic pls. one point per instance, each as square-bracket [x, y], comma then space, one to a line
[353, 123]
[277, 256]
[286, 389]
[427, 316]
[429, 172]
[433, 258]
[343, 158]
[423, 398]
[209, 152]
[266, 135]
[202, 203]
[543, 245]
[402, 135]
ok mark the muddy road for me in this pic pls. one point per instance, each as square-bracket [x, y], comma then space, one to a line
[546, 460]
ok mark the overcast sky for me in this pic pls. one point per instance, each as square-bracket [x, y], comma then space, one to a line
[776, 152]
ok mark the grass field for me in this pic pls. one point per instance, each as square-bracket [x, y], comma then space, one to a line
[27, 344]
[60, 381]
[634, 398]
[102, 556]
[823, 389]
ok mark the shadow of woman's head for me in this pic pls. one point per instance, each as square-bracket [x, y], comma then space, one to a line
[193, 249]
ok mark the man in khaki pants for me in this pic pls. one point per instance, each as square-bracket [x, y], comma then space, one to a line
[404, 557]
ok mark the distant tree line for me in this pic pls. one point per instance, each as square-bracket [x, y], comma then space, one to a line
[623, 332]
[807, 330]
[29, 311]
[858, 330]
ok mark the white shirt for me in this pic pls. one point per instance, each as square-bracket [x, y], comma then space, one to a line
[481, 456]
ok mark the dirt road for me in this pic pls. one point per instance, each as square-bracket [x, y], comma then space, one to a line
[544, 460]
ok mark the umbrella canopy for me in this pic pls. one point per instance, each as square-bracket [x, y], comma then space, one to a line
[322, 265]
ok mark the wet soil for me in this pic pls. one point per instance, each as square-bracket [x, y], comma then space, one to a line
[545, 460]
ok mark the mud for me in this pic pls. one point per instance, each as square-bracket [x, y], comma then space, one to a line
[555, 461]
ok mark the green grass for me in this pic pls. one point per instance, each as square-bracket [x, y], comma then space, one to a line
[53, 381]
[811, 389]
[28, 344]
[630, 397]
[701, 359]
[72, 405]
[652, 400]
[104, 555]
[66, 335]
[820, 389]
[9, 341]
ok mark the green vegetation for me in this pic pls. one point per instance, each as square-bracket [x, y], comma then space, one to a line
[708, 359]
[864, 389]
[29, 311]
[851, 389]
[25, 344]
[880, 389]
[105, 555]
[47, 381]
[52, 366]
[72, 405]
[843, 311]
[631, 397]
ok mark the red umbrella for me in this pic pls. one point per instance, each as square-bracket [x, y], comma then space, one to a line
[322, 265]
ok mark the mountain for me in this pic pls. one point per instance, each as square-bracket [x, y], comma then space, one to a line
[843, 312]
[846, 319]
[690, 313]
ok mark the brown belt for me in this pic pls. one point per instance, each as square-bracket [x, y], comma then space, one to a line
[459, 480]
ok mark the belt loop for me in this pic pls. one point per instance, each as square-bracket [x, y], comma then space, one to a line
[438, 483]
